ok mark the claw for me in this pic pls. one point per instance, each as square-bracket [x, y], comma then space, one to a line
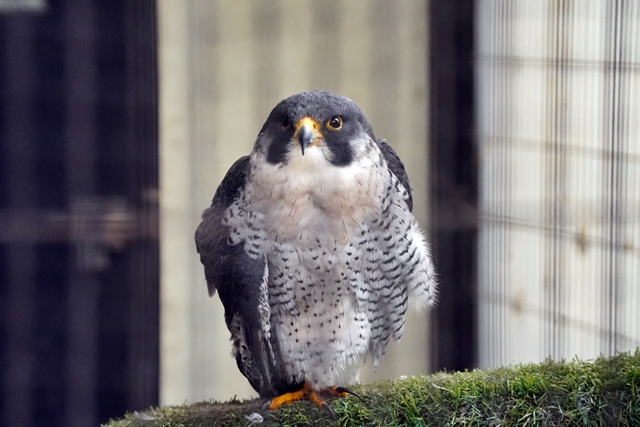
[266, 404]
[328, 409]
[343, 392]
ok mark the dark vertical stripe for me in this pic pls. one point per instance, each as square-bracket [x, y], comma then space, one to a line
[18, 134]
[81, 83]
[454, 183]
[142, 143]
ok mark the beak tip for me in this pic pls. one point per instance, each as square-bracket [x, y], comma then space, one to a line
[306, 133]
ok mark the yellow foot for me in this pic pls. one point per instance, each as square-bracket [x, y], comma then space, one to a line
[301, 394]
[307, 393]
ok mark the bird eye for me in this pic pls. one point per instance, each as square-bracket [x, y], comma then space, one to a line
[334, 123]
[286, 122]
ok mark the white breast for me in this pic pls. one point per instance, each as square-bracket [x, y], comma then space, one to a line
[309, 196]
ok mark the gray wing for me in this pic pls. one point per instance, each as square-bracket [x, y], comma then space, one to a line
[396, 167]
[241, 284]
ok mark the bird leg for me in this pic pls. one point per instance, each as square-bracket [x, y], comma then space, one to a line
[307, 393]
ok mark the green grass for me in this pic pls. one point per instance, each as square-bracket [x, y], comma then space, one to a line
[604, 392]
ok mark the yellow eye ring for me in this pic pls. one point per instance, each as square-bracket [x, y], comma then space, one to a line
[334, 123]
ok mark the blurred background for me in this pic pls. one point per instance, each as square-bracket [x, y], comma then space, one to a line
[518, 123]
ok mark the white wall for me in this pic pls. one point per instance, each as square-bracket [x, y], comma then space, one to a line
[222, 66]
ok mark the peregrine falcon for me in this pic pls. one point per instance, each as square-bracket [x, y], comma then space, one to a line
[313, 249]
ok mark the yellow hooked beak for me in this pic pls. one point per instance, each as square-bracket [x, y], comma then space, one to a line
[307, 132]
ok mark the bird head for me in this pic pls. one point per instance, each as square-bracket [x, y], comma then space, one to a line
[312, 124]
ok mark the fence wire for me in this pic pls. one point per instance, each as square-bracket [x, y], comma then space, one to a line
[558, 112]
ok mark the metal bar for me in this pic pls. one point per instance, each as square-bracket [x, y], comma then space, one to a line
[454, 184]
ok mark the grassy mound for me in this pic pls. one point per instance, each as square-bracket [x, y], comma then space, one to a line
[604, 392]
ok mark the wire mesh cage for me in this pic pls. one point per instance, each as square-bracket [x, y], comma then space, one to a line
[558, 112]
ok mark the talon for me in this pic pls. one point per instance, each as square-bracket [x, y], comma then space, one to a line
[343, 392]
[328, 409]
[266, 404]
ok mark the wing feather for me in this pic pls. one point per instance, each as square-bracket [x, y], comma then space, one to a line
[396, 167]
[241, 282]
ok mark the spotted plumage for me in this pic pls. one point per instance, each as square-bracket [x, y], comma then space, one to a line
[313, 249]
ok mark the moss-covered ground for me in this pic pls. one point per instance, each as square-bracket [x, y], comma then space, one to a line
[603, 392]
